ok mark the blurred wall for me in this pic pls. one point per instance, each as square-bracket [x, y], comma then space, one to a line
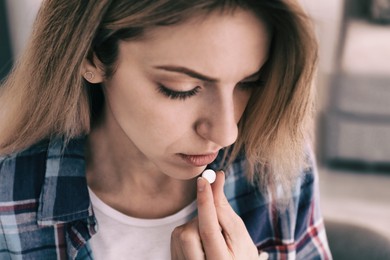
[327, 16]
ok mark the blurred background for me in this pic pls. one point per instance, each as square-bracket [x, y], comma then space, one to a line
[353, 124]
[353, 115]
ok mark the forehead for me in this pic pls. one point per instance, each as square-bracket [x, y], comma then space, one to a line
[220, 44]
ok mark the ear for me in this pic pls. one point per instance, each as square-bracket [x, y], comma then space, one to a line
[91, 71]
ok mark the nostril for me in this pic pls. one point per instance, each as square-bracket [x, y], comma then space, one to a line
[222, 133]
[203, 128]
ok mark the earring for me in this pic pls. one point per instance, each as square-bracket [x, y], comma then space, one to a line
[89, 75]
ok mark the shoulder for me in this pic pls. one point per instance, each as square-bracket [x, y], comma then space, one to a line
[33, 151]
[243, 195]
[22, 173]
[306, 188]
[246, 197]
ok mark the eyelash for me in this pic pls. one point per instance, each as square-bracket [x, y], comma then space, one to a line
[180, 95]
[183, 95]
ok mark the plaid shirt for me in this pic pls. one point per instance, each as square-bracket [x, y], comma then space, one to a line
[46, 213]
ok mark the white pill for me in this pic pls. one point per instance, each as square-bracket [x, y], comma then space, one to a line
[209, 175]
[263, 256]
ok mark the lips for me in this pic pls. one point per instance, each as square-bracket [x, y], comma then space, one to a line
[199, 160]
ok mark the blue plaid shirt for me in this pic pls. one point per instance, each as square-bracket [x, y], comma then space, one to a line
[46, 213]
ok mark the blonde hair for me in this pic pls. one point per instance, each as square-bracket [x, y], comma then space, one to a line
[45, 95]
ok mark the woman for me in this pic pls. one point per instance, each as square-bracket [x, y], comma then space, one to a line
[116, 108]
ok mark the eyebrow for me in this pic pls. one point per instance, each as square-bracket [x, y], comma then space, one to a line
[193, 74]
[188, 72]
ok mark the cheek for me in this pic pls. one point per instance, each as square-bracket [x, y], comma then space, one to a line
[241, 98]
[144, 114]
[127, 103]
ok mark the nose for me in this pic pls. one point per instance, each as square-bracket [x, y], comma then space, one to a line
[218, 123]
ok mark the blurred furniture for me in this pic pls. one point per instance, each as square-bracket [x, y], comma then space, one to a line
[380, 10]
[348, 241]
[356, 130]
[16, 19]
[21, 16]
[5, 45]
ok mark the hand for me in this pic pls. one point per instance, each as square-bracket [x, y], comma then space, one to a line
[217, 233]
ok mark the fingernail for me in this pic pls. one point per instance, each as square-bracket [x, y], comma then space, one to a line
[201, 184]
[221, 172]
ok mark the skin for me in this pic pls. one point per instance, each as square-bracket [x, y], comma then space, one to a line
[135, 151]
[217, 233]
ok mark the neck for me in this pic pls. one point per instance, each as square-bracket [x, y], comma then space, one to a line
[125, 180]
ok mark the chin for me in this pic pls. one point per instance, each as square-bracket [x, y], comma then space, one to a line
[187, 173]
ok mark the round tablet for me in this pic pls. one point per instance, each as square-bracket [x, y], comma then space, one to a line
[263, 256]
[209, 175]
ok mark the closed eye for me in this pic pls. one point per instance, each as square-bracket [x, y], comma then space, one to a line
[174, 94]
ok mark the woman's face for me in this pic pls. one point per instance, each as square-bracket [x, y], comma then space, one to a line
[179, 92]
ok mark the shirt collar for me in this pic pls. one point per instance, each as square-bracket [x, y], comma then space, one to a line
[64, 196]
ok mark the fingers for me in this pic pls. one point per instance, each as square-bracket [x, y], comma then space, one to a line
[176, 251]
[228, 219]
[186, 243]
[213, 241]
[202, 238]
[235, 233]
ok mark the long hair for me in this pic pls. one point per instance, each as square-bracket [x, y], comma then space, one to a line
[45, 95]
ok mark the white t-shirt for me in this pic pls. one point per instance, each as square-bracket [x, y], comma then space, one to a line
[122, 237]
